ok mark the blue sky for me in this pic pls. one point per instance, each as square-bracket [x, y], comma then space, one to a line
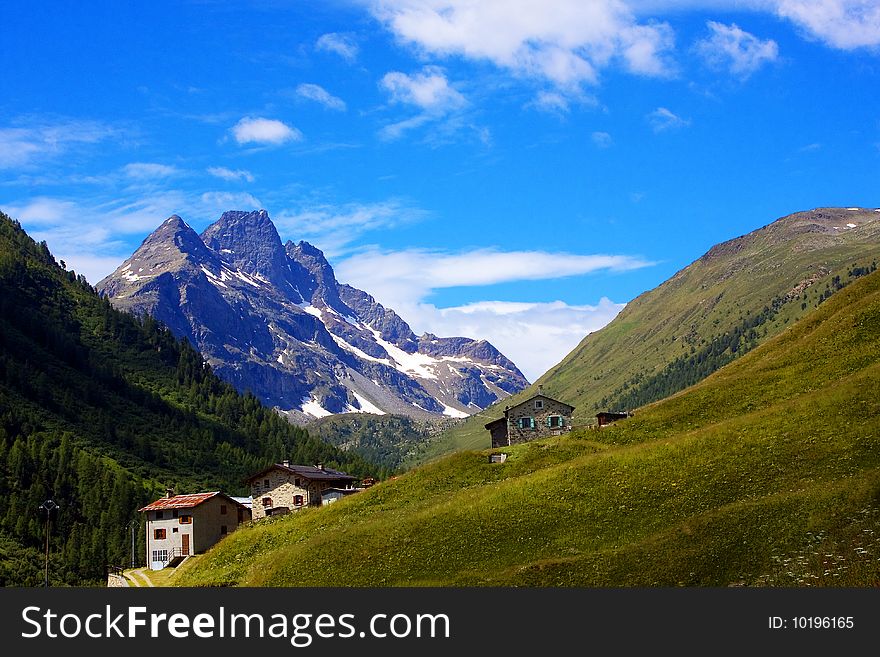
[508, 169]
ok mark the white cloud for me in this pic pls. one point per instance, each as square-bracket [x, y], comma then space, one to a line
[428, 89]
[409, 275]
[231, 174]
[29, 139]
[215, 203]
[94, 238]
[662, 119]
[564, 41]
[333, 227]
[394, 131]
[602, 139]
[42, 211]
[320, 95]
[264, 131]
[552, 102]
[844, 24]
[72, 233]
[343, 45]
[404, 280]
[730, 47]
[515, 328]
[148, 170]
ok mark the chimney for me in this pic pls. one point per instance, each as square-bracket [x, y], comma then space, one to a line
[169, 493]
[285, 463]
[320, 466]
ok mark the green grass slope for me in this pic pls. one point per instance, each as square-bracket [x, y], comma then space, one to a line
[733, 298]
[765, 473]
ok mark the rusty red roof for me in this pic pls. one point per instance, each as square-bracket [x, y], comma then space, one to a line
[180, 501]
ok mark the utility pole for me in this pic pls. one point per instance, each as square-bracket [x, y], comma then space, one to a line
[133, 527]
[48, 506]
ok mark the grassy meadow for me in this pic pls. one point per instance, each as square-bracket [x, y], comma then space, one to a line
[765, 473]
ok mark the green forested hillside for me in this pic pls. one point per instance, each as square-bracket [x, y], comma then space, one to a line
[725, 303]
[765, 473]
[389, 441]
[100, 411]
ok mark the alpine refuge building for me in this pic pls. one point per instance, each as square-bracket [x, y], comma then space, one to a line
[607, 417]
[181, 525]
[282, 488]
[537, 417]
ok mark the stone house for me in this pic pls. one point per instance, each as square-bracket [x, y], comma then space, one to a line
[537, 417]
[282, 487]
[181, 525]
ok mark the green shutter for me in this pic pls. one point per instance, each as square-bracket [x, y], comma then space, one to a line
[532, 422]
[548, 422]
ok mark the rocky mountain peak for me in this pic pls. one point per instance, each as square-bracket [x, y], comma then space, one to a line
[324, 288]
[249, 242]
[174, 231]
[273, 319]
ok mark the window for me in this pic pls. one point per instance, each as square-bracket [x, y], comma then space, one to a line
[267, 502]
[526, 423]
[158, 534]
[159, 515]
[555, 421]
[296, 482]
[539, 404]
[266, 483]
[160, 555]
[222, 509]
[297, 500]
[174, 530]
[174, 514]
[222, 530]
[186, 520]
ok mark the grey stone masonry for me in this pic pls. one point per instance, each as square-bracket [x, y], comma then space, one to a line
[537, 417]
[284, 488]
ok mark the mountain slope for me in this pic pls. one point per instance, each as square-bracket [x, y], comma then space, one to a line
[389, 441]
[728, 301]
[101, 411]
[765, 473]
[272, 318]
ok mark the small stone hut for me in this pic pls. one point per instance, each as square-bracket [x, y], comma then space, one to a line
[537, 417]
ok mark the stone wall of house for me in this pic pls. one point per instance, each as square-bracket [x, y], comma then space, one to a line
[529, 409]
[282, 488]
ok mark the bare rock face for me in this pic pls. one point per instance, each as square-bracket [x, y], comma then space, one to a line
[272, 318]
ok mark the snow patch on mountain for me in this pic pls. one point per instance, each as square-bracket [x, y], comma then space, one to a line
[312, 407]
[416, 364]
[367, 406]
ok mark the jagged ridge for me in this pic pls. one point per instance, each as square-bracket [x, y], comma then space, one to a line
[272, 318]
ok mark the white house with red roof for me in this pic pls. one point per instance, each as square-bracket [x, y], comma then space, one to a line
[181, 525]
